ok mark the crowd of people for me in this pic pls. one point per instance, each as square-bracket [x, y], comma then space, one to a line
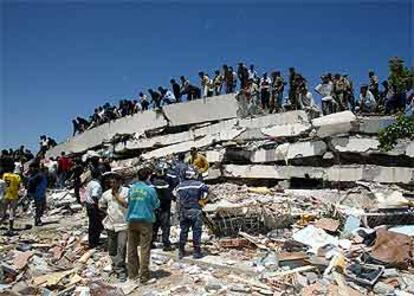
[131, 213]
[265, 92]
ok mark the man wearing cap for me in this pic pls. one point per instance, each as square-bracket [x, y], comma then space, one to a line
[142, 203]
[114, 201]
[189, 193]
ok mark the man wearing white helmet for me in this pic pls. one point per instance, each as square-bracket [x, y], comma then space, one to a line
[189, 194]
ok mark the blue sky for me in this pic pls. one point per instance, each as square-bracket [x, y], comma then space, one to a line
[63, 60]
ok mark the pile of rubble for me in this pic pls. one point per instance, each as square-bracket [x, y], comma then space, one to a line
[257, 240]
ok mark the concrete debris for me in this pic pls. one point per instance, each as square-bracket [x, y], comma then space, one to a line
[303, 207]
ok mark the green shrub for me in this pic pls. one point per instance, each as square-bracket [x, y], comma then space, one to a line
[403, 128]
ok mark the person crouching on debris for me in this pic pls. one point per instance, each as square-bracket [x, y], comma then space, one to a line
[190, 194]
[142, 203]
[163, 213]
[11, 195]
[37, 186]
[92, 195]
[199, 161]
[114, 201]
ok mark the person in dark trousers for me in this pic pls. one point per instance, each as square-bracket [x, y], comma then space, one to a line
[37, 186]
[189, 193]
[176, 90]
[163, 213]
[156, 98]
[113, 201]
[64, 166]
[142, 203]
[93, 195]
[77, 171]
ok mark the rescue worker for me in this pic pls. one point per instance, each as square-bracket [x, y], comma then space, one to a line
[11, 195]
[199, 161]
[113, 201]
[190, 193]
[163, 213]
[179, 168]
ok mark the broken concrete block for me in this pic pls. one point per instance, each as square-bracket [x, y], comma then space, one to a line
[355, 145]
[154, 142]
[372, 125]
[214, 156]
[287, 130]
[289, 151]
[215, 128]
[179, 148]
[334, 124]
[285, 118]
[202, 110]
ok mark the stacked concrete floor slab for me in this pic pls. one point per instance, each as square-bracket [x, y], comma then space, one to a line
[339, 148]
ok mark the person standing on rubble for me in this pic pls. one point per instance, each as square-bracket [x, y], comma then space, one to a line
[37, 186]
[163, 213]
[114, 202]
[93, 194]
[190, 195]
[199, 161]
[142, 203]
[11, 195]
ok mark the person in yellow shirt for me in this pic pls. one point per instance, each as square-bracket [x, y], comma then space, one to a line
[199, 161]
[11, 196]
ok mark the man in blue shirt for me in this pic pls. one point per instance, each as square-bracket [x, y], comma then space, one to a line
[190, 194]
[142, 203]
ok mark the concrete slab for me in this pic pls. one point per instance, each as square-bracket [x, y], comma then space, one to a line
[180, 148]
[215, 128]
[287, 130]
[202, 110]
[138, 123]
[289, 151]
[284, 118]
[372, 124]
[335, 124]
[355, 145]
[159, 141]
[352, 173]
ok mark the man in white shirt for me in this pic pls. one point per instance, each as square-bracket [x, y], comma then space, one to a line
[367, 103]
[93, 194]
[265, 85]
[113, 201]
[325, 90]
[306, 101]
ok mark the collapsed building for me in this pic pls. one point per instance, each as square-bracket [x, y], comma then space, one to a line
[306, 152]
[298, 200]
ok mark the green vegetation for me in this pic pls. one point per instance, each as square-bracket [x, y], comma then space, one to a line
[401, 129]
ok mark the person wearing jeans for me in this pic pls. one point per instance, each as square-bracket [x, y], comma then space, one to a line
[142, 203]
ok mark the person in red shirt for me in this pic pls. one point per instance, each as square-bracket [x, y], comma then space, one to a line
[64, 167]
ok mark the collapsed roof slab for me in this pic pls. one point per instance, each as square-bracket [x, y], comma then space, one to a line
[287, 130]
[202, 110]
[158, 141]
[288, 151]
[225, 135]
[335, 124]
[351, 173]
[138, 123]
[289, 117]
